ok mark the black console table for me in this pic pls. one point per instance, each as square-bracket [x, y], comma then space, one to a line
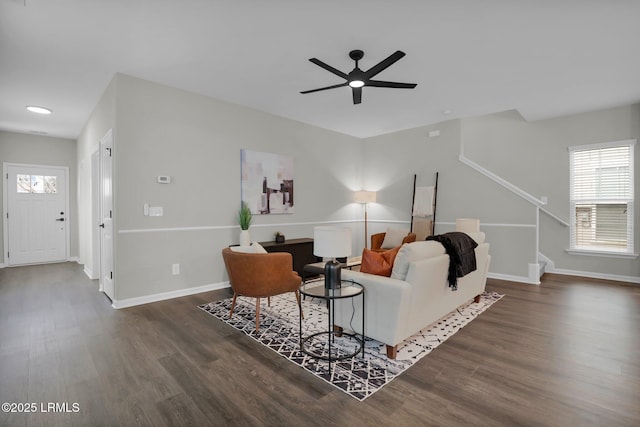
[300, 249]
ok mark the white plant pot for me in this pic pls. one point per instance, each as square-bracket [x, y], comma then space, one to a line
[245, 238]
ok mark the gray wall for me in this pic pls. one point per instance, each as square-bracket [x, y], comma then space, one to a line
[43, 150]
[534, 156]
[531, 155]
[197, 141]
[390, 164]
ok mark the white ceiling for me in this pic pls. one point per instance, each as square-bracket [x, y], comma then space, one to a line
[545, 58]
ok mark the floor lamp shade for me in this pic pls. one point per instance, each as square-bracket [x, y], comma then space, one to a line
[332, 242]
[365, 197]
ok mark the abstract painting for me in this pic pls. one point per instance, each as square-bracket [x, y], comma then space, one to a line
[267, 182]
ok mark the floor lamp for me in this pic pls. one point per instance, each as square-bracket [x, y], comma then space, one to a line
[365, 197]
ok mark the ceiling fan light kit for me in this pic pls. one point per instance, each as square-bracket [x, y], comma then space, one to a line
[357, 78]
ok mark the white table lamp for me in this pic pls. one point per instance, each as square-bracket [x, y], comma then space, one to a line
[332, 242]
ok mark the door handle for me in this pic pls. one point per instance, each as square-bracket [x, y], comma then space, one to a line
[60, 219]
[101, 226]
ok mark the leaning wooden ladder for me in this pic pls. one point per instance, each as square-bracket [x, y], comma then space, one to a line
[413, 202]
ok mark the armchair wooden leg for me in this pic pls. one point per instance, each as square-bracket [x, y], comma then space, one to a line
[233, 304]
[299, 303]
[257, 314]
[392, 351]
[476, 299]
[268, 301]
[337, 330]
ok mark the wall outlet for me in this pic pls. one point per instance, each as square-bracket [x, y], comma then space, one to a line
[175, 269]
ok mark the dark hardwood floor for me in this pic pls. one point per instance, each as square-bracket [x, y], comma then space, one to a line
[566, 353]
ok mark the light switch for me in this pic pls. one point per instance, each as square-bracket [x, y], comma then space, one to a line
[155, 211]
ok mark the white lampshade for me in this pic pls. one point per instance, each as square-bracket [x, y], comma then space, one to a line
[331, 242]
[365, 197]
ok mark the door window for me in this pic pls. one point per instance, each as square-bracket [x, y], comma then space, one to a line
[37, 184]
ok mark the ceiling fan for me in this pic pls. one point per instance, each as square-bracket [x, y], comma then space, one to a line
[357, 78]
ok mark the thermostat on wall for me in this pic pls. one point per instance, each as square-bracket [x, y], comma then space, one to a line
[163, 179]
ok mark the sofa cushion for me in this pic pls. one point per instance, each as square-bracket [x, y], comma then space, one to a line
[478, 236]
[380, 263]
[393, 237]
[410, 252]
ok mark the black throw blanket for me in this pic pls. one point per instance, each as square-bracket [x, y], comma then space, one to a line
[462, 256]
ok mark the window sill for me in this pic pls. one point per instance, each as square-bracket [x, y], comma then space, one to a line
[605, 254]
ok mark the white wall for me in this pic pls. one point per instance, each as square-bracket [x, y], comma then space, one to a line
[102, 119]
[44, 150]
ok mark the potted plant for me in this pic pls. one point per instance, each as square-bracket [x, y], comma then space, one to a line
[279, 237]
[244, 219]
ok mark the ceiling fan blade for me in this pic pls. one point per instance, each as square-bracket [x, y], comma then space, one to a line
[328, 68]
[395, 85]
[325, 88]
[357, 95]
[384, 64]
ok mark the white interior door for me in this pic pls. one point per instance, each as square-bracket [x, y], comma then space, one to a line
[96, 215]
[36, 214]
[106, 216]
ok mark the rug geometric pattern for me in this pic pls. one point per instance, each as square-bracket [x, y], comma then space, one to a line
[358, 376]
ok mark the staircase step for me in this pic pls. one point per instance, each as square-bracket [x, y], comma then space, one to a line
[542, 265]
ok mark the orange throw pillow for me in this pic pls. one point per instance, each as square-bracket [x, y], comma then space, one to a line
[379, 263]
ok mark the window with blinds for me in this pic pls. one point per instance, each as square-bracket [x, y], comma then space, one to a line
[602, 197]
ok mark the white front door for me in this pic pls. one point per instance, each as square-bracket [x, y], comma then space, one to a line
[36, 214]
[106, 216]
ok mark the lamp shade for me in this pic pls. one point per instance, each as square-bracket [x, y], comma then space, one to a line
[365, 197]
[331, 242]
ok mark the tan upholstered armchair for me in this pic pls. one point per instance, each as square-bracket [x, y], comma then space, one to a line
[378, 239]
[260, 275]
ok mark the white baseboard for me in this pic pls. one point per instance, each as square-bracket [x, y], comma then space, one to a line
[551, 268]
[130, 302]
[2, 266]
[511, 278]
[89, 273]
[592, 275]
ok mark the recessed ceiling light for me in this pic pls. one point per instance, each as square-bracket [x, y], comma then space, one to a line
[446, 112]
[39, 110]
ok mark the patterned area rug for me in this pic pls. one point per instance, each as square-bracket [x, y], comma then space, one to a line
[357, 376]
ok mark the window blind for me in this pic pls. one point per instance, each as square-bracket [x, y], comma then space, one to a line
[602, 197]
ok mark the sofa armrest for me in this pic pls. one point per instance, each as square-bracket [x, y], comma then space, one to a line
[387, 301]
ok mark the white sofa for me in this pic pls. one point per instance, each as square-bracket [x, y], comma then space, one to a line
[415, 296]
